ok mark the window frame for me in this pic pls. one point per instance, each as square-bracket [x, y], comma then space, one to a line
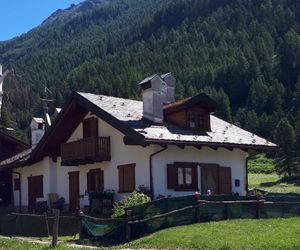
[90, 177]
[17, 184]
[197, 117]
[173, 176]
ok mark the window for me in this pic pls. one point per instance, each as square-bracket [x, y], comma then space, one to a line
[182, 176]
[90, 127]
[126, 178]
[17, 184]
[195, 120]
[95, 180]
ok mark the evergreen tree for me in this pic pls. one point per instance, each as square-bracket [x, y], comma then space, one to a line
[285, 138]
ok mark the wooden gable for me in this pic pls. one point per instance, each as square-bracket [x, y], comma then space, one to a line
[191, 113]
[181, 118]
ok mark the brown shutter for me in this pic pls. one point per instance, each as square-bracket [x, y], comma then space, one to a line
[88, 181]
[195, 177]
[121, 178]
[101, 177]
[172, 176]
[90, 127]
[225, 186]
[126, 178]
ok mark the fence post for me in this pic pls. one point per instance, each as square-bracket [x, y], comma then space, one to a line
[80, 215]
[47, 224]
[197, 207]
[55, 227]
[258, 210]
[128, 226]
[226, 211]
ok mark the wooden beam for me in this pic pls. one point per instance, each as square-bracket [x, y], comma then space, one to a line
[214, 147]
[180, 146]
[229, 148]
[198, 147]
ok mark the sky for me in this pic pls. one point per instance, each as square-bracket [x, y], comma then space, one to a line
[19, 16]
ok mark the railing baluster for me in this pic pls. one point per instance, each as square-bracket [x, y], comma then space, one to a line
[93, 148]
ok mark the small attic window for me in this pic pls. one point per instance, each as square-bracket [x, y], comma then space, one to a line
[195, 120]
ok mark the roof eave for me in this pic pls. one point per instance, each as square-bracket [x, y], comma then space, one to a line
[214, 144]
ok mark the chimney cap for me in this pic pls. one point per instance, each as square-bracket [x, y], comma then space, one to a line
[163, 76]
[38, 120]
[145, 84]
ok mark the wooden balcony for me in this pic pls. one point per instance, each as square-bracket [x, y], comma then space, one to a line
[85, 151]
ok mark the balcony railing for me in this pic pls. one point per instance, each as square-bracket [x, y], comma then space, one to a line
[84, 151]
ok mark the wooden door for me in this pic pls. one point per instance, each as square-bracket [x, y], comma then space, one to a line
[210, 179]
[74, 191]
[35, 190]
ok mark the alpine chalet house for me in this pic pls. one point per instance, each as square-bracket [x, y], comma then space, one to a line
[9, 146]
[99, 143]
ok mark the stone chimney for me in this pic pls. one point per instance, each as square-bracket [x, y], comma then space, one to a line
[153, 98]
[37, 126]
[169, 91]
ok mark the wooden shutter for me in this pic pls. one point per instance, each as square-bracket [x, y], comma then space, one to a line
[172, 176]
[225, 186]
[101, 179]
[90, 127]
[88, 181]
[121, 178]
[126, 178]
[195, 177]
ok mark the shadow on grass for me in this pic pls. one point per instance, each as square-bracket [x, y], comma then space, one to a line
[295, 180]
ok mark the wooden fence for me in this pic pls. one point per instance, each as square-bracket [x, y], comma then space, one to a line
[134, 226]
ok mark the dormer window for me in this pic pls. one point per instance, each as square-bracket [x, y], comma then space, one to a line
[195, 120]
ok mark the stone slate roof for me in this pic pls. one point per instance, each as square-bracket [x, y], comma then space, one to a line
[222, 133]
[19, 158]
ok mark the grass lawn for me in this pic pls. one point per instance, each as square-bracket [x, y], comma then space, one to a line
[227, 235]
[273, 184]
[223, 235]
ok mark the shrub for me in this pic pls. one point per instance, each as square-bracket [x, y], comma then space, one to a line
[260, 164]
[134, 199]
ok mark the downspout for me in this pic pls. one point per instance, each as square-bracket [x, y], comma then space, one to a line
[20, 195]
[150, 168]
[247, 159]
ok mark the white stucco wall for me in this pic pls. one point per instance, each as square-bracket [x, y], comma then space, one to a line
[39, 168]
[235, 159]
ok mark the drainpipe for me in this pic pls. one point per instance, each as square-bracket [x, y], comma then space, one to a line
[150, 167]
[20, 195]
[247, 159]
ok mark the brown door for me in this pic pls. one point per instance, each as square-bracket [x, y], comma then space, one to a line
[210, 179]
[35, 190]
[74, 191]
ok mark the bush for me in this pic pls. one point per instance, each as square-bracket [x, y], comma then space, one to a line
[260, 164]
[134, 199]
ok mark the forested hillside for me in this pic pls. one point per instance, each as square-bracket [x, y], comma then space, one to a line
[245, 54]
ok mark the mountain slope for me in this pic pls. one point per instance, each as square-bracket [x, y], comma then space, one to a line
[245, 54]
